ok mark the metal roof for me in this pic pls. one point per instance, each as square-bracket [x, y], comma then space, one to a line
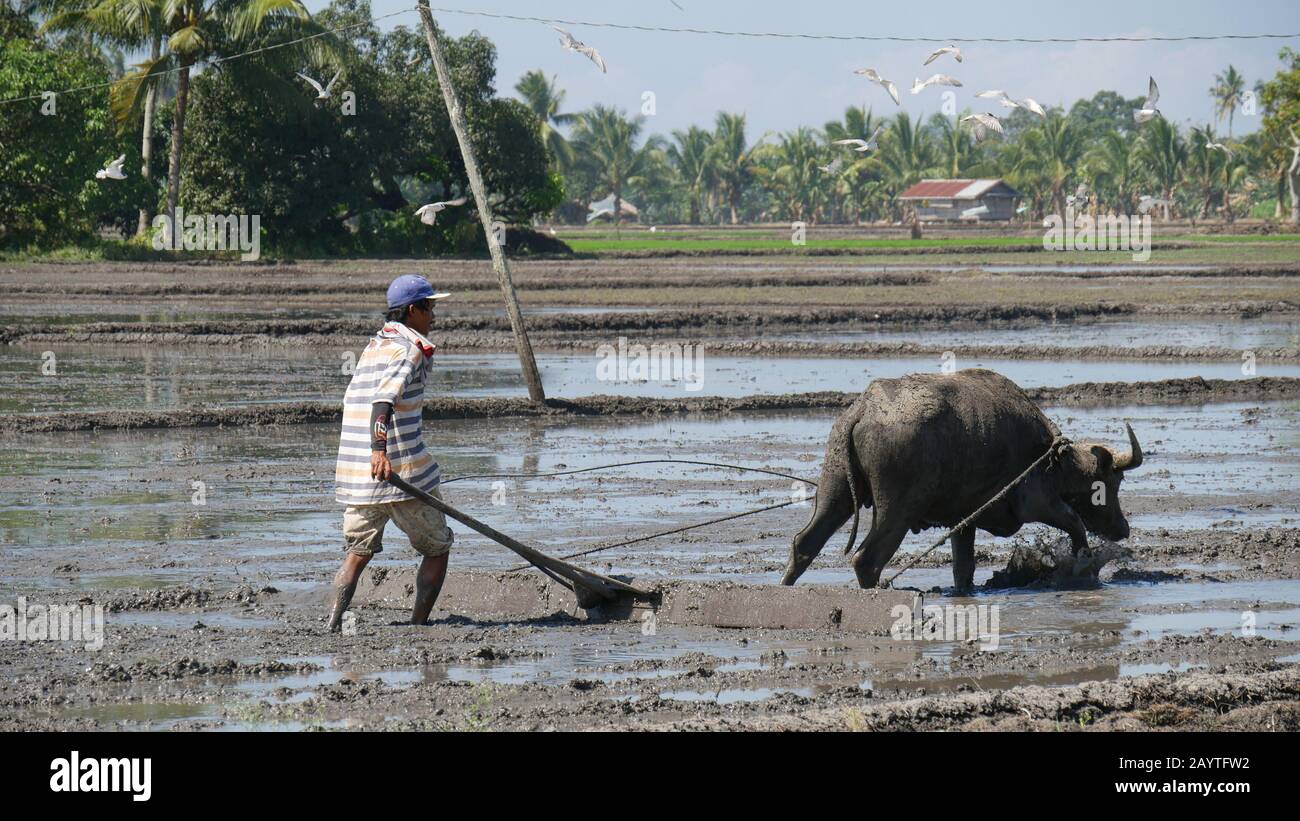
[954, 189]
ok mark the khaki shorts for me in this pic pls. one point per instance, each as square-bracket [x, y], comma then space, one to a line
[363, 527]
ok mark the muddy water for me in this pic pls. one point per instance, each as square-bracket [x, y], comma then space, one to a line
[267, 498]
[140, 377]
[1128, 333]
[100, 513]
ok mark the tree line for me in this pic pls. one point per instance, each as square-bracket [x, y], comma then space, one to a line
[344, 175]
[718, 174]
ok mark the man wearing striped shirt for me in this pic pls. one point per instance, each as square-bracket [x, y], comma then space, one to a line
[381, 436]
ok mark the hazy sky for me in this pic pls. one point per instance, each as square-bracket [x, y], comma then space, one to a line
[781, 84]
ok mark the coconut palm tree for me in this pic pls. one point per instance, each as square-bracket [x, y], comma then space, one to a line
[544, 97]
[907, 154]
[1226, 91]
[732, 159]
[1163, 152]
[1115, 170]
[691, 157]
[606, 140]
[1204, 168]
[860, 169]
[125, 24]
[197, 31]
[1053, 151]
[956, 148]
[793, 177]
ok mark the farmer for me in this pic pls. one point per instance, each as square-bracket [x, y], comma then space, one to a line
[381, 436]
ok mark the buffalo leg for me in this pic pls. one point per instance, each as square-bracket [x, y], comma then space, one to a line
[963, 560]
[832, 508]
[878, 548]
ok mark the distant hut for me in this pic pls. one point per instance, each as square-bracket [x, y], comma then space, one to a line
[962, 200]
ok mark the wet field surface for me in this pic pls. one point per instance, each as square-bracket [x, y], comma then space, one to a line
[212, 549]
[140, 377]
[113, 514]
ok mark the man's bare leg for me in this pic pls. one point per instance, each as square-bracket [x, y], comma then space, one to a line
[345, 584]
[428, 584]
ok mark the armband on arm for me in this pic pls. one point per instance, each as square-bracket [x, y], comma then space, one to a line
[381, 416]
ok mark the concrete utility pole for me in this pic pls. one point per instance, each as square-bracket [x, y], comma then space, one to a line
[522, 345]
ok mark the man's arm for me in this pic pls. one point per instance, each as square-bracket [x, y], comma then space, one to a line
[396, 376]
[381, 417]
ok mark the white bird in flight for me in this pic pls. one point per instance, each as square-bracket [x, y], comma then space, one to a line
[1080, 195]
[573, 44]
[935, 80]
[999, 95]
[870, 74]
[428, 214]
[112, 171]
[939, 52]
[1148, 110]
[1219, 147]
[860, 146]
[1006, 101]
[1030, 104]
[833, 166]
[982, 124]
[322, 93]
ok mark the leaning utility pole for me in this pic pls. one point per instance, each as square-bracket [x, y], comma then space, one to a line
[522, 345]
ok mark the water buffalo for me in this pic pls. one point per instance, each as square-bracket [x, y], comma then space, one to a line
[927, 450]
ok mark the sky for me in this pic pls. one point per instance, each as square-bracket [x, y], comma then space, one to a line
[781, 84]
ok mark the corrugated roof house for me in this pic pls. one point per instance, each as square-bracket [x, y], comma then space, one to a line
[974, 200]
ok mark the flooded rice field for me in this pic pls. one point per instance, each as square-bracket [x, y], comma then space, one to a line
[111, 517]
[102, 377]
[211, 549]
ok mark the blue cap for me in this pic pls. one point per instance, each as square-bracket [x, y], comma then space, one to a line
[409, 288]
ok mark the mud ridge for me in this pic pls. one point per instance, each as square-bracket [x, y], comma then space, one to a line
[1076, 705]
[262, 330]
[1192, 390]
[501, 342]
[462, 283]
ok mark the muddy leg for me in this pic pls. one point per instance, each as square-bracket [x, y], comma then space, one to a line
[428, 584]
[345, 584]
[832, 508]
[963, 561]
[877, 549]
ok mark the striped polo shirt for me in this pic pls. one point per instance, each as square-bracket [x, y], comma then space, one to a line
[393, 368]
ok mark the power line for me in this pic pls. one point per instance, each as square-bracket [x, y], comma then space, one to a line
[678, 30]
[213, 61]
[863, 37]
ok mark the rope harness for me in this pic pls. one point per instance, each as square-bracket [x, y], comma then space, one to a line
[1057, 444]
[1052, 452]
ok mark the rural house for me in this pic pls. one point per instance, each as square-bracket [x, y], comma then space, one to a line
[953, 200]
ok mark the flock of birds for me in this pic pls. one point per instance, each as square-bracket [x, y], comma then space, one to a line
[982, 124]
